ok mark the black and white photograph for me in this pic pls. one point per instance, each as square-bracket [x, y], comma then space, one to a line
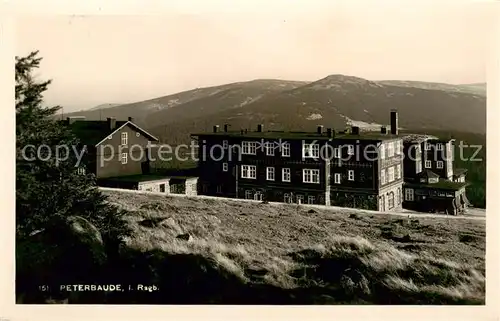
[316, 153]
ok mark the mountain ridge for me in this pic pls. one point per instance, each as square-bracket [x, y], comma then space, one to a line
[335, 101]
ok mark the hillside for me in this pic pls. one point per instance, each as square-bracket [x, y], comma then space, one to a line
[476, 89]
[242, 252]
[203, 101]
[334, 101]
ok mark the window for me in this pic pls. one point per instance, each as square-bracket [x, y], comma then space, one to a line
[285, 175]
[124, 158]
[398, 171]
[311, 199]
[124, 138]
[287, 198]
[382, 177]
[433, 180]
[248, 171]
[300, 199]
[285, 149]
[249, 148]
[336, 152]
[427, 146]
[81, 170]
[390, 149]
[382, 151]
[418, 166]
[137, 134]
[409, 194]
[270, 173]
[399, 195]
[225, 144]
[350, 149]
[390, 200]
[248, 195]
[439, 164]
[269, 149]
[219, 189]
[439, 146]
[336, 178]
[350, 174]
[391, 174]
[310, 176]
[224, 167]
[310, 150]
[428, 164]
[257, 196]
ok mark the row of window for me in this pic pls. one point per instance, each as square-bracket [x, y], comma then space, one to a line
[392, 148]
[308, 175]
[308, 150]
[439, 146]
[428, 164]
[287, 197]
[389, 175]
[390, 200]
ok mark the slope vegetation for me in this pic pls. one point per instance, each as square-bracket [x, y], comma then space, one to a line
[229, 252]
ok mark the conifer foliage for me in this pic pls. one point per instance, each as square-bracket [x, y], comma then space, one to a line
[48, 186]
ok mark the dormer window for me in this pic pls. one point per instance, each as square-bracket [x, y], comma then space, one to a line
[433, 180]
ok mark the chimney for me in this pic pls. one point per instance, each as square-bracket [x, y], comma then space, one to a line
[111, 123]
[320, 129]
[131, 119]
[72, 119]
[260, 127]
[394, 122]
[330, 132]
[216, 128]
[355, 130]
[226, 128]
[383, 130]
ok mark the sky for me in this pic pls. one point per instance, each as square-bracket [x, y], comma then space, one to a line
[97, 59]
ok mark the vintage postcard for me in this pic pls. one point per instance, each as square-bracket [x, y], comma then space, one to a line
[273, 154]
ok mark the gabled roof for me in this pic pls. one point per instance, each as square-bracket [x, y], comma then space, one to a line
[427, 174]
[459, 171]
[93, 132]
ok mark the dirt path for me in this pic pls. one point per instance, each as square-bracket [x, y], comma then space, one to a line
[472, 213]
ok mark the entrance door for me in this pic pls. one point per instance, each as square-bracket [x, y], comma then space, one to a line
[381, 205]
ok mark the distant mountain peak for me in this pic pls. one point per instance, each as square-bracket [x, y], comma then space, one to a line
[339, 82]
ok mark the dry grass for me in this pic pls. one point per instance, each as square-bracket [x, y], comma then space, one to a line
[284, 254]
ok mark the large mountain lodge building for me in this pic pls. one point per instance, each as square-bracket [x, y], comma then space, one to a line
[366, 170]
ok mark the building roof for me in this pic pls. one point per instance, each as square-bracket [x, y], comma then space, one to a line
[92, 132]
[417, 138]
[374, 135]
[459, 171]
[138, 178]
[442, 184]
[426, 173]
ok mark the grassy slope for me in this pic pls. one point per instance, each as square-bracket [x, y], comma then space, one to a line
[256, 253]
